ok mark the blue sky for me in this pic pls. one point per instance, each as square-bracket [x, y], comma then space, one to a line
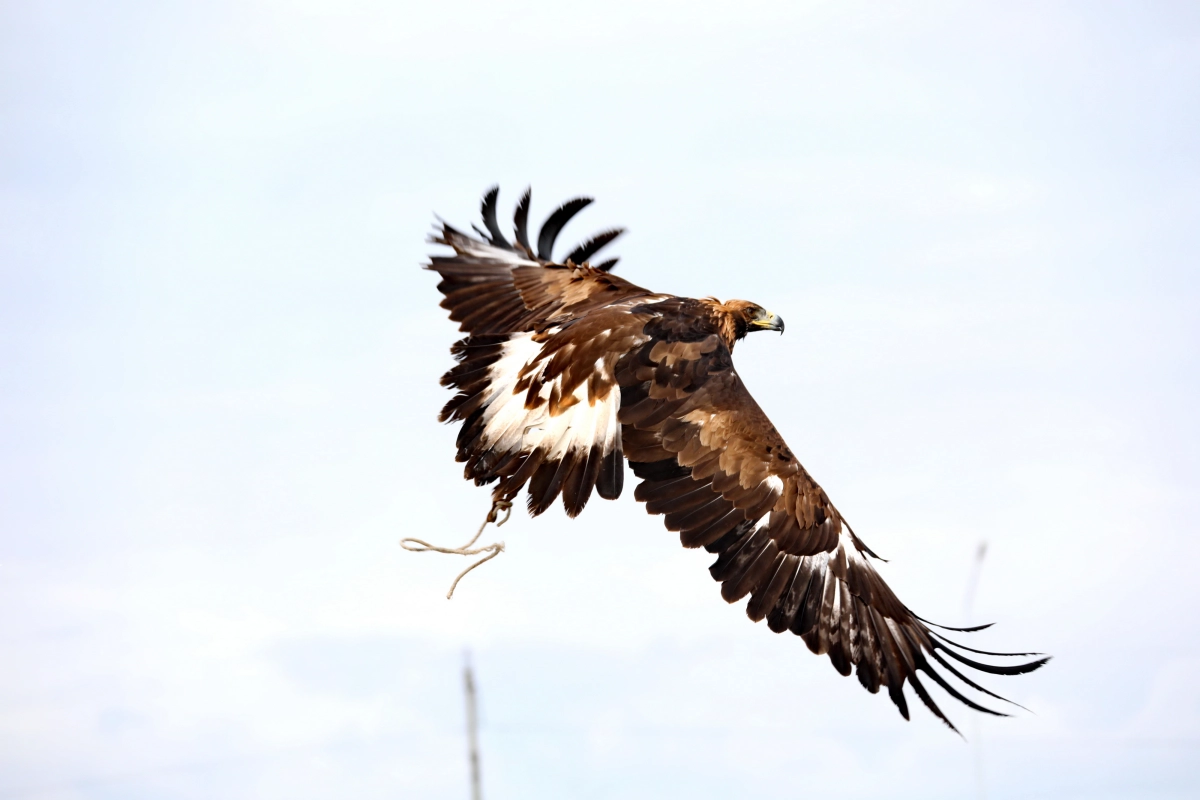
[980, 222]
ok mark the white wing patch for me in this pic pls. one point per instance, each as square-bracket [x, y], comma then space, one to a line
[511, 427]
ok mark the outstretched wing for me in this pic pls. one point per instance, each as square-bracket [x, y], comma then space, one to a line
[492, 285]
[715, 466]
[537, 394]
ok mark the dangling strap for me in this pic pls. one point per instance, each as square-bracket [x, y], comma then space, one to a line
[492, 550]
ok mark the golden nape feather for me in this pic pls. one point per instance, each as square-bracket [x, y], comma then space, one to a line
[567, 372]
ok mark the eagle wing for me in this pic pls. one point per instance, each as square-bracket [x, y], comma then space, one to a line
[537, 394]
[711, 461]
[495, 286]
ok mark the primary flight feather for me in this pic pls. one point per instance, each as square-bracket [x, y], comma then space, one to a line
[567, 372]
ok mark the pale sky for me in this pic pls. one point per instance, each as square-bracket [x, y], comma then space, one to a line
[220, 358]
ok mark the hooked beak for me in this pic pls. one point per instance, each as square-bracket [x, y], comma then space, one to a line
[771, 322]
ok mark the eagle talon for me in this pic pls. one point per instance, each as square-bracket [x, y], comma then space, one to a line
[497, 506]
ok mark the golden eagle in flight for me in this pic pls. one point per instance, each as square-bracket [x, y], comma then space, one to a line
[568, 371]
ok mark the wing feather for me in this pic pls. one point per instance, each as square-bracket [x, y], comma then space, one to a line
[521, 220]
[555, 222]
[488, 210]
[584, 251]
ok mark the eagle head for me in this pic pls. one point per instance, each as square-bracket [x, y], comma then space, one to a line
[743, 317]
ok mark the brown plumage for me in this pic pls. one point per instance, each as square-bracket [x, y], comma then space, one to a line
[568, 371]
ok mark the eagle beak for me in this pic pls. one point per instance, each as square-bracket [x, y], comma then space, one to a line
[770, 322]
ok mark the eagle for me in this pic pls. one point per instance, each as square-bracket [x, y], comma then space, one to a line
[568, 372]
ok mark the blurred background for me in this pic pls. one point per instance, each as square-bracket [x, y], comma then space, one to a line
[220, 364]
